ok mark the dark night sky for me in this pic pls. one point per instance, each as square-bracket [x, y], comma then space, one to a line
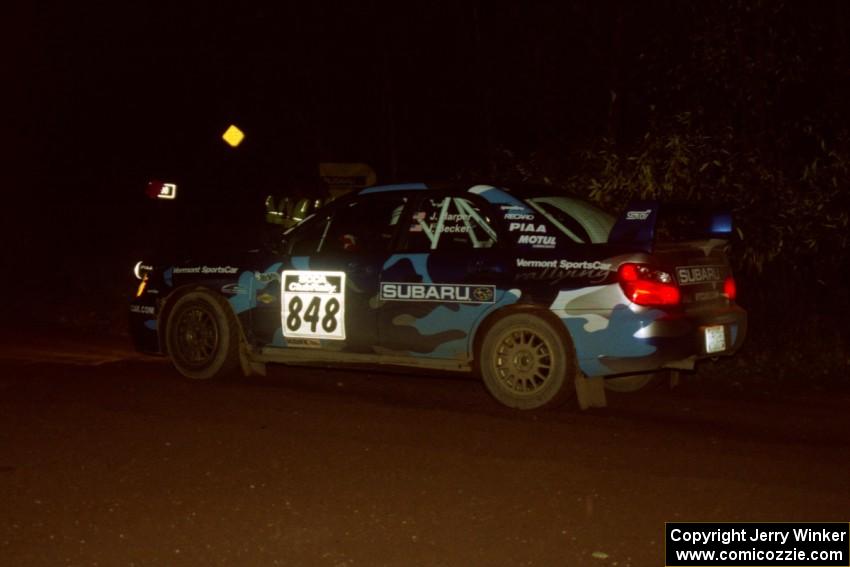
[121, 95]
[105, 96]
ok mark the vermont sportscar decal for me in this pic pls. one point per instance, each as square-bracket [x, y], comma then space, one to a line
[313, 304]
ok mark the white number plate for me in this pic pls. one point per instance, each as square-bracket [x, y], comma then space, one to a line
[313, 304]
[715, 339]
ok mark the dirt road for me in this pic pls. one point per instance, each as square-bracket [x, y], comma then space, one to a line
[112, 459]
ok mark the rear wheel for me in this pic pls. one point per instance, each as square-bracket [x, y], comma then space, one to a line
[202, 337]
[526, 363]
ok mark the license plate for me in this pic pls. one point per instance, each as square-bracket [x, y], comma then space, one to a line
[715, 339]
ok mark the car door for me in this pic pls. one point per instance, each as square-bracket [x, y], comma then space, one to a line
[328, 283]
[447, 274]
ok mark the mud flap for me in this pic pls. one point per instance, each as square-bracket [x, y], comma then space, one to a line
[590, 392]
[249, 366]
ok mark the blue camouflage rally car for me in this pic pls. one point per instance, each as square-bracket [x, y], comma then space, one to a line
[538, 293]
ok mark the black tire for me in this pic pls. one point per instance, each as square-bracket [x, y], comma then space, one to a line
[202, 337]
[527, 364]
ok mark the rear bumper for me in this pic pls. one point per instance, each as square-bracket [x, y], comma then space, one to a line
[733, 322]
[635, 342]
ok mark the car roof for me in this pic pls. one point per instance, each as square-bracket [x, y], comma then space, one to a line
[393, 188]
[451, 187]
[523, 190]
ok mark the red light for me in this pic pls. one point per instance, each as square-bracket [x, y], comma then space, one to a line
[730, 290]
[628, 273]
[646, 286]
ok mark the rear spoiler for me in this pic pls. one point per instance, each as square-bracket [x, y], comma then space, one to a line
[642, 221]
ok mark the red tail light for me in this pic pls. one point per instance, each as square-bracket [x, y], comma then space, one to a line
[647, 286]
[730, 290]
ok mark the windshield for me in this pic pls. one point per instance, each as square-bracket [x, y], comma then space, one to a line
[578, 220]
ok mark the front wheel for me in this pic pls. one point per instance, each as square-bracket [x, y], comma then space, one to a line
[202, 336]
[527, 364]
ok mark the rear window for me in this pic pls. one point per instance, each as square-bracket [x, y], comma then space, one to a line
[580, 221]
[686, 222]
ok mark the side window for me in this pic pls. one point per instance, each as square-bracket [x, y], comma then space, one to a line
[568, 224]
[579, 220]
[446, 223]
[367, 224]
[307, 238]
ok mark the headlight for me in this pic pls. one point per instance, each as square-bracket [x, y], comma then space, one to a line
[140, 269]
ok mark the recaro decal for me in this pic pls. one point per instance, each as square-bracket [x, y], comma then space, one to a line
[443, 293]
[313, 304]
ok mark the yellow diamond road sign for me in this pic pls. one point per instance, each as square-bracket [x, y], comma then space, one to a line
[233, 136]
